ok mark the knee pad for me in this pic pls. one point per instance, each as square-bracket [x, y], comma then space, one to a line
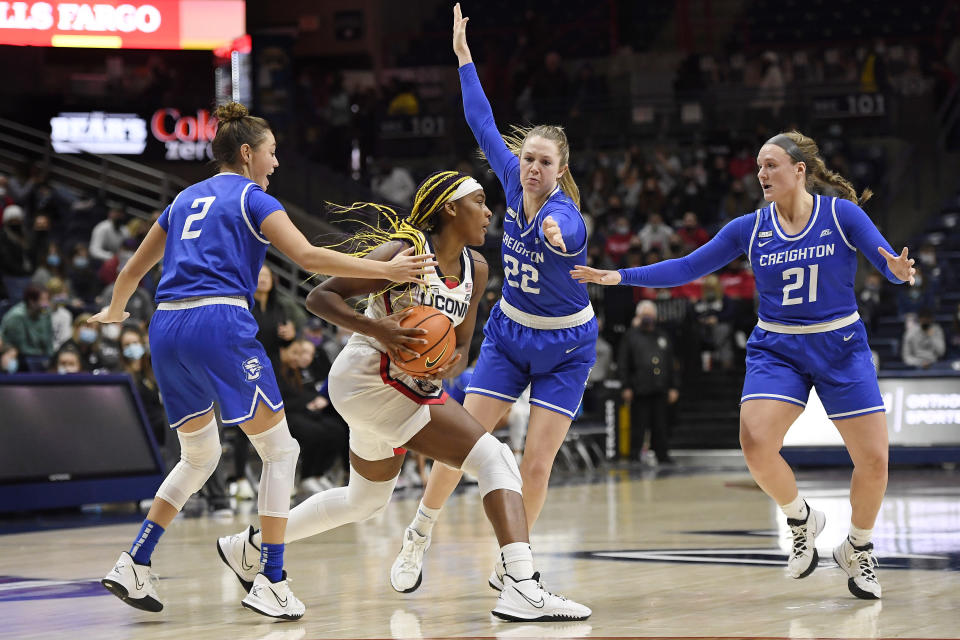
[199, 454]
[278, 451]
[368, 499]
[494, 466]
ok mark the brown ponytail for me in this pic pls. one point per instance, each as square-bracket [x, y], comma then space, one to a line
[235, 128]
[817, 172]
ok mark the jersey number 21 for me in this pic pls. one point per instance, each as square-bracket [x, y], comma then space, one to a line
[795, 275]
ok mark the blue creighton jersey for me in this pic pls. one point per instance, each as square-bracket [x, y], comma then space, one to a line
[536, 274]
[802, 279]
[214, 245]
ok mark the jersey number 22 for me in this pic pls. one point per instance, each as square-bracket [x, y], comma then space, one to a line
[512, 267]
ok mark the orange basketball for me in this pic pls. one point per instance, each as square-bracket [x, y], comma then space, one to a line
[441, 341]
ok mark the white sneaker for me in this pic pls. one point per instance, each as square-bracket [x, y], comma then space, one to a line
[406, 574]
[528, 601]
[496, 576]
[133, 583]
[859, 562]
[273, 599]
[803, 556]
[240, 554]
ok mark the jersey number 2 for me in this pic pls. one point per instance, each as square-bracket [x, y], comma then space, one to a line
[188, 233]
[512, 267]
[796, 274]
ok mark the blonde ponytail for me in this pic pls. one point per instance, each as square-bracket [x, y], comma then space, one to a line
[817, 172]
[519, 135]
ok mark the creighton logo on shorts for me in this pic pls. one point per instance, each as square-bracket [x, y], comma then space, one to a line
[252, 368]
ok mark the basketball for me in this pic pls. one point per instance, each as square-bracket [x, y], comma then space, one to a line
[441, 341]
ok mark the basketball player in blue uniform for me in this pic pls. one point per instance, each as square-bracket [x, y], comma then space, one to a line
[213, 238]
[390, 411]
[542, 332]
[803, 248]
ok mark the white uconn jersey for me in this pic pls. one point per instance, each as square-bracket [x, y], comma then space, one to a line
[446, 294]
[806, 278]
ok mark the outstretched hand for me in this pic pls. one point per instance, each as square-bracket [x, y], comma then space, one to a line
[104, 316]
[551, 231]
[406, 267]
[460, 36]
[900, 265]
[584, 274]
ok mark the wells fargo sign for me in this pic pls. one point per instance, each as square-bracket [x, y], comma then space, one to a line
[113, 24]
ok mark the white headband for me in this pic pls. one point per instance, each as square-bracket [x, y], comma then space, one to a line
[466, 187]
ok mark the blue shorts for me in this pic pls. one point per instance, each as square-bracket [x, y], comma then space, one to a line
[782, 366]
[211, 354]
[554, 362]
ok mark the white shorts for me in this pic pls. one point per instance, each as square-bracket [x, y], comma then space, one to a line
[380, 417]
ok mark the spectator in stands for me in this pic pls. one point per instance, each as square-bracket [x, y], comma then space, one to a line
[86, 340]
[656, 234]
[17, 248]
[736, 203]
[651, 198]
[631, 188]
[135, 362]
[107, 237]
[9, 359]
[322, 442]
[68, 360]
[715, 314]
[618, 239]
[691, 234]
[27, 325]
[61, 318]
[650, 374]
[551, 90]
[82, 276]
[955, 333]
[921, 295]
[5, 199]
[279, 317]
[871, 301]
[923, 341]
[394, 184]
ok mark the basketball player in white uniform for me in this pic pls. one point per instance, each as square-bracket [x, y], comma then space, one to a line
[387, 409]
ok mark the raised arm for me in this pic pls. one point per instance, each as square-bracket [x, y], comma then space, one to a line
[404, 267]
[730, 242]
[477, 109]
[864, 235]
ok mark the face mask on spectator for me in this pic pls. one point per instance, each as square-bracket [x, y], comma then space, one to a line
[53, 260]
[87, 335]
[928, 258]
[64, 369]
[133, 351]
[647, 323]
[12, 366]
[316, 340]
[924, 325]
[110, 331]
[80, 262]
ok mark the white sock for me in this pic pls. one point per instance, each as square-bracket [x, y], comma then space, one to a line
[425, 519]
[859, 537]
[518, 560]
[796, 510]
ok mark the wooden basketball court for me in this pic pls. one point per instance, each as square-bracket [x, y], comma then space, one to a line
[689, 554]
